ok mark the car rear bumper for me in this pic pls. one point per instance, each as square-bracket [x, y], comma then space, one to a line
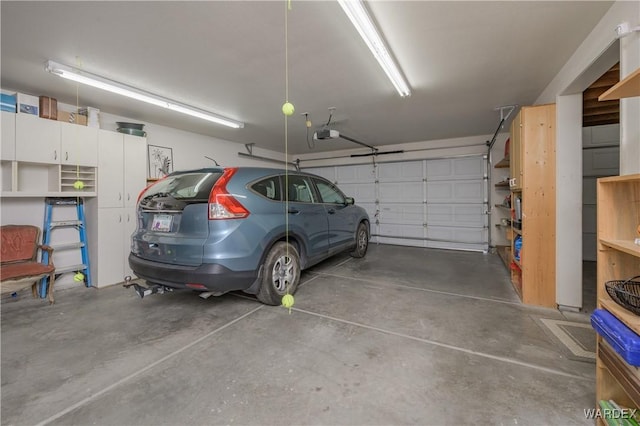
[213, 276]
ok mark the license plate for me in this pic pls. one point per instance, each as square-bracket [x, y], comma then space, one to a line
[161, 222]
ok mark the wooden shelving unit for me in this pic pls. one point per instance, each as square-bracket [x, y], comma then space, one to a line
[502, 164]
[618, 259]
[533, 178]
[626, 88]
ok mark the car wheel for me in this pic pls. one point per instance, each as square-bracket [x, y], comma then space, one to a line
[281, 274]
[362, 241]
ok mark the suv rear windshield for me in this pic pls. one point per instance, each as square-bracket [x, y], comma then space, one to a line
[193, 186]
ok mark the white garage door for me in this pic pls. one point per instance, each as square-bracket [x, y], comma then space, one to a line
[438, 203]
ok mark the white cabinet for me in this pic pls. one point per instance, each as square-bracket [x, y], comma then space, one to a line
[122, 166]
[8, 147]
[135, 170]
[47, 157]
[78, 145]
[37, 139]
[110, 168]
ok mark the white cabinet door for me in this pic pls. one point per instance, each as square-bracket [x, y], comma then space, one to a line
[8, 147]
[78, 145]
[129, 218]
[135, 168]
[110, 169]
[37, 139]
[110, 269]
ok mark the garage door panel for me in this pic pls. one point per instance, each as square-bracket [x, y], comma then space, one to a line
[402, 214]
[402, 231]
[464, 191]
[401, 192]
[456, 169]
[465, 215]
[363, 173]
[362, 192]
[328, 173]
[601, 161]
[410, 171]
[454, 234]
[454, 189]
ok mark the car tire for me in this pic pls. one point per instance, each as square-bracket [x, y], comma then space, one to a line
[362, 241]
[281, 274]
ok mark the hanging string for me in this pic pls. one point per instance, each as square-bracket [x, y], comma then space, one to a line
[287, 110]
[286, 127]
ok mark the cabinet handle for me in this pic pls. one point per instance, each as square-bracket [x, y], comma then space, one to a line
[128, 196]
[120, 219]
[119, 196]
[66, 155]
[55, 154]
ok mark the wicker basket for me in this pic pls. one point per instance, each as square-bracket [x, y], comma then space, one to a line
[625, 293]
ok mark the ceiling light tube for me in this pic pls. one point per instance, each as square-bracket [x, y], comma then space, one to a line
[360, 19]
[103, 83]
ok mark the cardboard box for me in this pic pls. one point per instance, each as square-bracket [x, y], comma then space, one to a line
[48, 108]
[8, 102]
[27, 104]
[72, 117]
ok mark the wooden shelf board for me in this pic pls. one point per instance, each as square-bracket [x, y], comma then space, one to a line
[517, 231]
[503, 185]
[503, 206]
[629, 319]
[502, 164]
[626, 246]
[626, 88]
[616, 179]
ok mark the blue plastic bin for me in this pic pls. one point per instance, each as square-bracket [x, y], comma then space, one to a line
[621, 338]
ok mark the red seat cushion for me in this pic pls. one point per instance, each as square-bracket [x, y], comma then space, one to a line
[24, 269]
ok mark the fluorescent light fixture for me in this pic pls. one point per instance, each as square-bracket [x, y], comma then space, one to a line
[103, 83]
[360, 19]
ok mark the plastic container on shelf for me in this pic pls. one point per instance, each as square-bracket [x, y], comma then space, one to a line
[517, 247]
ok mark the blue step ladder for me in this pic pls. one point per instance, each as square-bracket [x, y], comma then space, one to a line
[81, 225]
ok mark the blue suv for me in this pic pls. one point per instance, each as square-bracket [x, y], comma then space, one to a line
[244, 228]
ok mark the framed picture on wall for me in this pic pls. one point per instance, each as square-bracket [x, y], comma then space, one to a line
[160, 161]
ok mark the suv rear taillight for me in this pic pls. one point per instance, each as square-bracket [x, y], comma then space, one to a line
[223, 205]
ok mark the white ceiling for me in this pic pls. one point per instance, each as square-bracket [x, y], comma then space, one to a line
[462, 60]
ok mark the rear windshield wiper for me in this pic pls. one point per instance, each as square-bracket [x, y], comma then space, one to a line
[157, 195]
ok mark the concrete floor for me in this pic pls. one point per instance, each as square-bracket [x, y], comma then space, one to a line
[403, 336]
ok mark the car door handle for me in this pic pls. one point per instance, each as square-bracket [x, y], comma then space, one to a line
[293, 211]
[331, 211]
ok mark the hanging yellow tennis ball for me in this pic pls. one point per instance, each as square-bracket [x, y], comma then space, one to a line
[288, 109]
[287, 301]
[78, 184]
[78, 277]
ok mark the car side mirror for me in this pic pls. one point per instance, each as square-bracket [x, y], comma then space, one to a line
[349, 201]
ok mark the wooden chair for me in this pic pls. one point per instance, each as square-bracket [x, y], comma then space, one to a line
[19, 266]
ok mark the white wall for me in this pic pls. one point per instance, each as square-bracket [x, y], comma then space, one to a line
[189, 149]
